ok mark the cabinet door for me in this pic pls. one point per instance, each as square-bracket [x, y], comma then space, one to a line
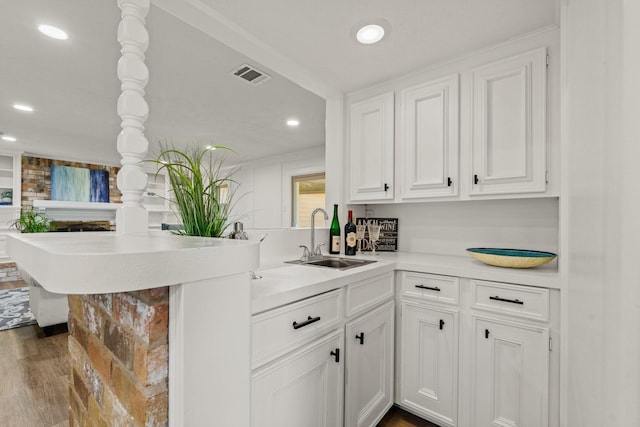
[369, 367]
[429, 356]
[371, 149]
[511, 374]
[509, 125]
[430, 139]
[304, 389]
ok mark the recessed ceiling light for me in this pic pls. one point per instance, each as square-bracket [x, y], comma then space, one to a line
[293, 122]
[370, 30]
[8, 138]
[370, 34]
[23, 107]
[53, 32]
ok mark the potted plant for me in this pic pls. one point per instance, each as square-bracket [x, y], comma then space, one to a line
[32, 221]
[202, 187]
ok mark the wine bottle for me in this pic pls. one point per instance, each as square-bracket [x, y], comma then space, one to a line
[334, 233]
[350, 236]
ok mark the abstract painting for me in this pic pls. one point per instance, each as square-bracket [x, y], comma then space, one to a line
[79, 184]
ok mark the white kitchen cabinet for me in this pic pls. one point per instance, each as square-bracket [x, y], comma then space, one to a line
[429, 362]
[483, 126]
[510, 373]
[477, 353]
[299, 356]
[509, 125]
[303, 389]
[369, 366]
[430, 139]
[371, 149]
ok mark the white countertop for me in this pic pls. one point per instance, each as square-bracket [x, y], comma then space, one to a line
[284, 283]
[105, 262]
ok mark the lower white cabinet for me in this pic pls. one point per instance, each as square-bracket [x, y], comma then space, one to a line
[369, 366]
[300, 355]
[303, 389]
[484, 359]
[429, 362]
[511, 373]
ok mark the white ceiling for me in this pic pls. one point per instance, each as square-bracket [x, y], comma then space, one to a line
[318, 35]
[191, 94]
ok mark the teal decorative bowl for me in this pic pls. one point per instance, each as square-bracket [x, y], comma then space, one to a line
[511, 258]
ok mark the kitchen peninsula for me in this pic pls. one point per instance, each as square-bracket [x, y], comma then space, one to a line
[159, 323]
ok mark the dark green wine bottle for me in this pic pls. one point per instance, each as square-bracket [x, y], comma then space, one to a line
[334, 233]
[350, 236]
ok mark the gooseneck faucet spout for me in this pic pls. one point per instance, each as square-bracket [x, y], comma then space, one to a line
[316, 250]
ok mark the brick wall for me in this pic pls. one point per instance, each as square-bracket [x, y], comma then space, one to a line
[118, 348]
[36, 178]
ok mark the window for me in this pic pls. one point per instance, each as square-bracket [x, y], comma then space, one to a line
[307, 193]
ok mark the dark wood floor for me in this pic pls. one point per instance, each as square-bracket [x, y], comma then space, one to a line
[396, 417]
[33, 378]
[12, 284]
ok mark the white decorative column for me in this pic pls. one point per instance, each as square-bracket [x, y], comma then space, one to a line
[132, 217]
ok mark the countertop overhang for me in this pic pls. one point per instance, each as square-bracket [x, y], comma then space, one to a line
[106, 262]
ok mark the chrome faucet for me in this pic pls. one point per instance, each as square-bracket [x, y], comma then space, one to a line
[314, 251]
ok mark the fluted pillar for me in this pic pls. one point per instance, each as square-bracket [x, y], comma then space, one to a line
[133, 146]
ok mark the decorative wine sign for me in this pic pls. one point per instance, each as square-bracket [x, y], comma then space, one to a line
[388, 241]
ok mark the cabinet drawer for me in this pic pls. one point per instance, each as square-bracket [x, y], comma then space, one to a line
[516, 300]
[368, 293]
[430, 287]
[279, 331]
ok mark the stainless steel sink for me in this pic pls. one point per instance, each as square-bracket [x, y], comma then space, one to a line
[333, 262]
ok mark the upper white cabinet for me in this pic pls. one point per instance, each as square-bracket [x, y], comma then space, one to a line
[509, 125]
[483, 126]
[371, 148]
[430, 139]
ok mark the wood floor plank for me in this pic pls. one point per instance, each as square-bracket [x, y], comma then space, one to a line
[34, 378]
[397, 417]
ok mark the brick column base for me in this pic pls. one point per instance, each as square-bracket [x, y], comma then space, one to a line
[118, 346]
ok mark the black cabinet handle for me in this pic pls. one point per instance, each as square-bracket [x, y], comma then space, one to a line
[476, 179]
[360, 337]
[441, 324]
[486, 333]
[309, 321]
[512, 301]
[386, 187]
[336, 354]
[449, 182]
[435, 288]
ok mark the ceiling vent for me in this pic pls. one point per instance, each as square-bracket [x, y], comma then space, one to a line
[250, 74]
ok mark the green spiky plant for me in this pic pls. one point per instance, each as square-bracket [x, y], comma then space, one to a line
[198, 178]
[31, 221]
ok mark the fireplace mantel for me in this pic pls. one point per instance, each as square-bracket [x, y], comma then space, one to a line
[77, 211]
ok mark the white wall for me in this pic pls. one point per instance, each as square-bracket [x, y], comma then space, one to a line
[264, 195]
[451, 227]
[600, 213]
